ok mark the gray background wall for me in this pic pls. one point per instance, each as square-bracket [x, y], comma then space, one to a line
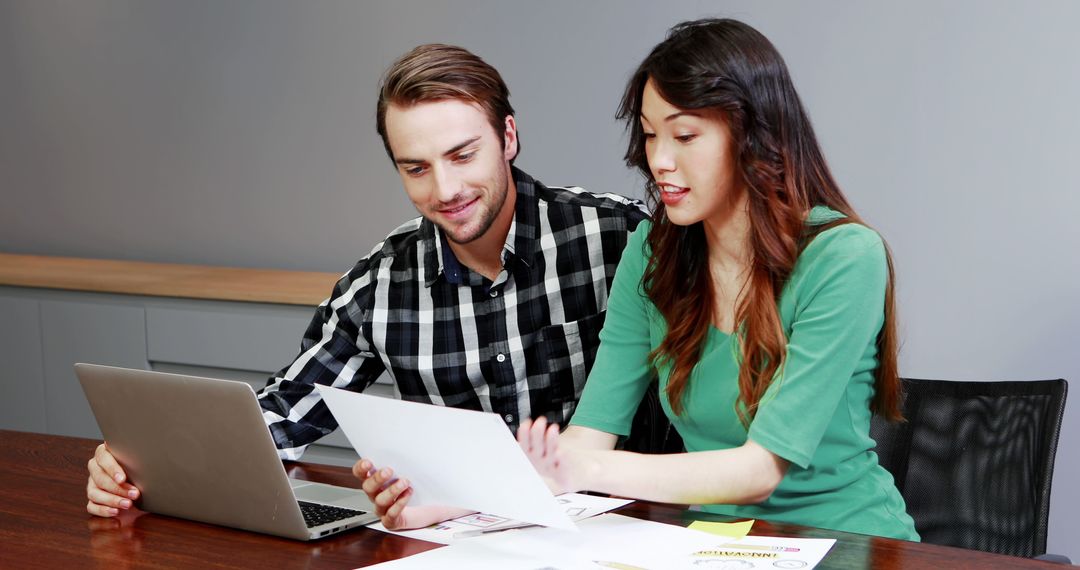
[242, 133]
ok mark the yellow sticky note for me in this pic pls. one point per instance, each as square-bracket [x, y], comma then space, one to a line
[730, 530]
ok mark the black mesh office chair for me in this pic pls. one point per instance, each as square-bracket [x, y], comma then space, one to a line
[651, 431]
[974, 461]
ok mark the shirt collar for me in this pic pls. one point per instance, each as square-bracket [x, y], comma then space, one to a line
[522, 242]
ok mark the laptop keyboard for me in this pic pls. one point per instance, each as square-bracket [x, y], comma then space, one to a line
[316, 514]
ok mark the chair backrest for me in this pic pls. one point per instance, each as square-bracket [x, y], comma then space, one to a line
[651, 431]
[974, 461]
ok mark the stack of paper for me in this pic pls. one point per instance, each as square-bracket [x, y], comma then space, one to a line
[624, 543]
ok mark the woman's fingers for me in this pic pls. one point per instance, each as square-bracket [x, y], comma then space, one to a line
[536, 436]
[551, 442]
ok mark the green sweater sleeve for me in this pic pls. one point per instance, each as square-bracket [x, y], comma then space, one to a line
[836, 300]
[621, 372]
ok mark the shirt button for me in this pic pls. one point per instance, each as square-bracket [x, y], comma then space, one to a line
[494, 293]
[501, 357]
[509, 418]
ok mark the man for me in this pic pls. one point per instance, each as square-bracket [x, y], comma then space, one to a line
[492, 300]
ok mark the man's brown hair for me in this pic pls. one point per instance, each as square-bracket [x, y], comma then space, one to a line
[434, 72]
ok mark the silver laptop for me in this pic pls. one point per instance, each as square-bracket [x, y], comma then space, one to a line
[198, 449]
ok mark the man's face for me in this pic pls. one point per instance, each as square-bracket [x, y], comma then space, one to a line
[454, 166]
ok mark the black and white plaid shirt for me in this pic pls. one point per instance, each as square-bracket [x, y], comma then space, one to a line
[520, 346]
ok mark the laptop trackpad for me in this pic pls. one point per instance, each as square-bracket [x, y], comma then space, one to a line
[331, 494]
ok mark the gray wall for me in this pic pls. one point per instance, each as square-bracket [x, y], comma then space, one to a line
[242, 133]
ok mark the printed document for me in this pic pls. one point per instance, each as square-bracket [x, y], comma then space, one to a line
[578, 507]
[615, 541]
[452, 457]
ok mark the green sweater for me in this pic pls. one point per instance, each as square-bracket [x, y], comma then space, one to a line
[815, 414]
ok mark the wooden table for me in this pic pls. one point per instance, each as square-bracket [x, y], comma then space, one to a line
[44, 524]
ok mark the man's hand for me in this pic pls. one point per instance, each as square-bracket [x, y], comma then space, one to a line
[107, 489]
[391, 499]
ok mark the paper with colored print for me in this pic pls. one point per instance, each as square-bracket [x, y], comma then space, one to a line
[578, 507]
[612, 541]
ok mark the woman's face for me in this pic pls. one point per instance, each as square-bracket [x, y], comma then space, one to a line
[691, 158]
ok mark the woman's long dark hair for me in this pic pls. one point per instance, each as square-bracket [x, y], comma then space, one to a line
[726, 65]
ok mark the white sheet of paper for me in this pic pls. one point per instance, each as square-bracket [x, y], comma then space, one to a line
[616, 541]
[452, 457]
[578, 507]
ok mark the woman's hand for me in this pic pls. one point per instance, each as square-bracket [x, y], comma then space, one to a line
[391, 499]
[561, 468]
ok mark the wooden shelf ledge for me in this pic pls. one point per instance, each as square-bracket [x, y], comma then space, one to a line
[167, 279]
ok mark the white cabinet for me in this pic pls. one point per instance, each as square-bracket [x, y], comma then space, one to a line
[236, 336]
[22, 406]
[79, 331]
[43, 333]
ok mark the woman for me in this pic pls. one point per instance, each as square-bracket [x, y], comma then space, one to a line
[756, 294]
